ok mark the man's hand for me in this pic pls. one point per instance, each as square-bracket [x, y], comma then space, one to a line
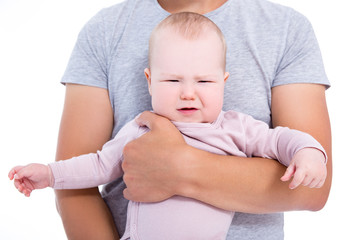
[153, 163]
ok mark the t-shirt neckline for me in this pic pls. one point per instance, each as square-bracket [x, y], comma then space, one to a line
[209, 14]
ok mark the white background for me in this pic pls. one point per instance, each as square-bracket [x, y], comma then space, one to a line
[36, 39]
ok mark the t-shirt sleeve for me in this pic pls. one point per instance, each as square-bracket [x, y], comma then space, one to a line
[301, 61]
[87, 64]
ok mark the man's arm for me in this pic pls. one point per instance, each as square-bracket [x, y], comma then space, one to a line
[303, 107]
[251, 185]
[86, 125]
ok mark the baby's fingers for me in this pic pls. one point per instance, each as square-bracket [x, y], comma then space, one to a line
[321, 184]
[288, 173]
[297, 180]
[317, 183]
[19, 186]
[22, 188]
[308, 180]
[13, 172]
[314, 183]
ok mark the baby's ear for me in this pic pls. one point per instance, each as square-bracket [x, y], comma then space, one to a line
[226, 76]
[148, 78]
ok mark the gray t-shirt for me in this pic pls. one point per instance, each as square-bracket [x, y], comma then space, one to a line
[268, 45]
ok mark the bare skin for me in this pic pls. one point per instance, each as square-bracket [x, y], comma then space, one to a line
[305, 111]
[87, 124]
[212, 179]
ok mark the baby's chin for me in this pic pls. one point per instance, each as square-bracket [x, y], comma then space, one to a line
[189, 117]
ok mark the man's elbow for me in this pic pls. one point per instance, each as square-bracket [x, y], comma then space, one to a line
[319, 199]
[318, 205]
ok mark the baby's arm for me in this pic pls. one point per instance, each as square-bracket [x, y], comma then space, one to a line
[85, 171]
[94, 169]
[308, 168]
[31, 177]
[305, 157]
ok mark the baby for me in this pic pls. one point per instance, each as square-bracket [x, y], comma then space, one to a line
[186, 78]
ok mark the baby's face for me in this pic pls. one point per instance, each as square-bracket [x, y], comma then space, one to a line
[187, 77]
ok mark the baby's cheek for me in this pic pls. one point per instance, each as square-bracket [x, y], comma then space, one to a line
[162, 106]
[214, 106]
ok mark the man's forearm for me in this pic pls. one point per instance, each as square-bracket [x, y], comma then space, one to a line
[250, 185]
[74, 205]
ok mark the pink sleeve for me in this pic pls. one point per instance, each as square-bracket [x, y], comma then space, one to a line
[280, 143]
[94, 169]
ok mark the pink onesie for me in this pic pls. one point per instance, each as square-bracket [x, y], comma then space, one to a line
[179, 218]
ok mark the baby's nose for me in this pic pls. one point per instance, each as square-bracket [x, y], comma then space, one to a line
[188, 92]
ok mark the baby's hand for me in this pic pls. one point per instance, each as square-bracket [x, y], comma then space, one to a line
[308, 168]
[30, 177]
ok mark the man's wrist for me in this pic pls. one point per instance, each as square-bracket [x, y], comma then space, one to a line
[192, 172]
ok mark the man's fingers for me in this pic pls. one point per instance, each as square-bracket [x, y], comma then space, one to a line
[152, 120]
[146, 119]
[126, 194]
